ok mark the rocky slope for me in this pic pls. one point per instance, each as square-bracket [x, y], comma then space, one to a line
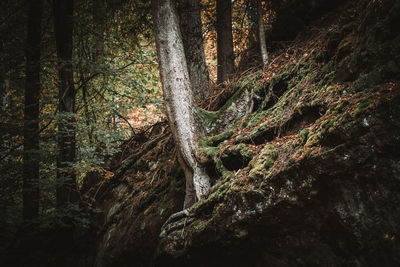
[310, 178]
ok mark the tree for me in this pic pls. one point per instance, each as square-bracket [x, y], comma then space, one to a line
[225, 56]
[261, 34]
[178, 97]
[31, 112]
[66, 184]
[192, 37]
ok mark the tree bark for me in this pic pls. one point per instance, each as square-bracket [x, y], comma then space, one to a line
[192, 37]
[252, 13]
[178, 95]
[66, 184]
[261, 35]
[225, 55]
[31, 113]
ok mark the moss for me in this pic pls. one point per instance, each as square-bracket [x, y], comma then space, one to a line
[304, 135]
[258, 117]
[241, 149]
[217, 196]
[328, 126]
[252, 82]
[363, 106]
[199, 226]
[226, 174]
[209, 118]
[209, 151]
[338, 107]
[240, 138]
[216, 139]
[274, 113]
[261, 164]
[209, 146]
[341, 106]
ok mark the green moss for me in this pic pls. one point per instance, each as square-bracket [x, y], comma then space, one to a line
[259, 116]
[199, 226]
[243, 150]
[304, 135]
[341, 106]
[217, 196]
[226, 174]
[261, 164]
[209, 151]
[363, 106]
[209, 118]
[216, 139]
[328, 124]
[240, 138]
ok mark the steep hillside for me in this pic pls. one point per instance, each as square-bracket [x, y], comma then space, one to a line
[309, 178]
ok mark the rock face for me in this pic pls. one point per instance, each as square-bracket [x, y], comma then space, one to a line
[310, 178]
[339, 207]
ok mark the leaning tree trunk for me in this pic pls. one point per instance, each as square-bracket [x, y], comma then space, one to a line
[225, 56]
[31, 113]
[261, 34]
[66, 184]
[192, 37]
[178, 96]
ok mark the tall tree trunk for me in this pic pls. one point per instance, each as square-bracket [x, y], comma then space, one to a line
[31, 112]
[225, 56]
[66, 184]
[252, 14]
[192, 37]
[261, 34]
[178, 96]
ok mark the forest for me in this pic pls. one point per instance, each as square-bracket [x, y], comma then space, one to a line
[199, 133]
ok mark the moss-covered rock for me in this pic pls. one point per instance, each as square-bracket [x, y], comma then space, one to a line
[260, 166]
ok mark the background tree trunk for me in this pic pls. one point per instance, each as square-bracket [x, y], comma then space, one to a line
[66, 184]
[252, 13]
[178, 96]
[261, 34]
[192, 37]
[225, 55]
[99, 19]
[31, 112]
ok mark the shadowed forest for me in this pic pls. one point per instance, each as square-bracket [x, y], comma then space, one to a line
[199, 133]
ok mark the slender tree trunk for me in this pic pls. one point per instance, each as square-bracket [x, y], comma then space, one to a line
[178, 96]
[261, 35]
[66, 184]
[192, 37]
[225, 56]
[31, 113]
